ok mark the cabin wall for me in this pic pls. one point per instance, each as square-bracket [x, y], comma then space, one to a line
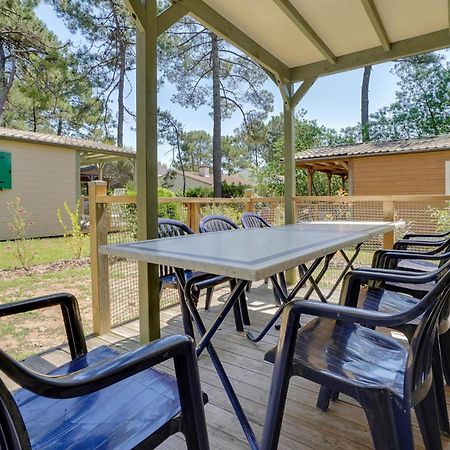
[421, 173]
[44, 177]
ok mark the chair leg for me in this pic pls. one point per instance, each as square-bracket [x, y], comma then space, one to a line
[439, 392]
[244, 309]
[237, 310]
[325, 395]
[444, 341]
[209, 294]
[323, 400]
[249, 286]
[389, 422]
[427, 417]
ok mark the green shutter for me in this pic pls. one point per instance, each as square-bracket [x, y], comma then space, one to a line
[5, 170]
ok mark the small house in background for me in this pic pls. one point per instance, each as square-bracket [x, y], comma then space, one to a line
[203, 178]
[43, 170]
[406, 167]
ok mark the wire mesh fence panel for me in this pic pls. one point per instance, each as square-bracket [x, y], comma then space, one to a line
[271, 211]
[326, 210]
[123, 273]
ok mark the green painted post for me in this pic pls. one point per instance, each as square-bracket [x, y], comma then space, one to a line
[289, 159]
[147, 172]
[289, 168]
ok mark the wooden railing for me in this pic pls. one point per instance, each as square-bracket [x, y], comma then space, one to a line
[105, 226]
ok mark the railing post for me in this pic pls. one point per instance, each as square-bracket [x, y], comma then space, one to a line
[98, 224]
[388, 216]
[194, 216]
[250, 205]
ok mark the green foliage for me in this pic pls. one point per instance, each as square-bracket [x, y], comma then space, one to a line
[75, 232]
[19, 228]
[231, 190]
[442, 218]
[232, 212]
[108, 55]
[422, 101]
[269, 174]
[169, 210]
[205, 192]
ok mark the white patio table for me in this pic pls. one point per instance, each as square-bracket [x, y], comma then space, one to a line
[248, 255]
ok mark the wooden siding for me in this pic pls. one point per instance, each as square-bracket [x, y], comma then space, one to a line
[43, 177]
[422, 173]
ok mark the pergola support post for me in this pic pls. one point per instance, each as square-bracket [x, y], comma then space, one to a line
[289, 167]
[147, 168]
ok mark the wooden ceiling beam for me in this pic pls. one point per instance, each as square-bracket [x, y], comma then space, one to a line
[377, 24]
[211, 19]
[407, 47]
[169, 17]
[137, 10]
[300, 22]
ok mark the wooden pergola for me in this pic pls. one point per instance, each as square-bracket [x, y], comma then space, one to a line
[295, 42]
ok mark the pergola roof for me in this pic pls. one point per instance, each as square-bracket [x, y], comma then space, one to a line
[90, 151]
[301, 39]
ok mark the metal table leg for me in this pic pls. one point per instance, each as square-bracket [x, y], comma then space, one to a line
[285, 298]
[205, 342]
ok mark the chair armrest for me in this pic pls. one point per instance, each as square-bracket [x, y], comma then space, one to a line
[389, 258]
[353, 280]
[403, 244]
[426, 235]
[70, 313]
[360, 316]
[101, 375]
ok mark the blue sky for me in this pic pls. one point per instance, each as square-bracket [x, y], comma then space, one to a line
[333, 101]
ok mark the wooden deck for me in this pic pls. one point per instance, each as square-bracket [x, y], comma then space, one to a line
[343, 426]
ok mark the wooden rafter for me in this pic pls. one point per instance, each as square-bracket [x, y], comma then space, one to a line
[407, 47]
[301, 91]
[224, 28]
[170, 16]
[300, 22]
[377, 24]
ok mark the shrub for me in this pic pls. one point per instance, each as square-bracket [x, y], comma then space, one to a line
[442, 218]
[19, 227]
[170, 210]
[75, 233]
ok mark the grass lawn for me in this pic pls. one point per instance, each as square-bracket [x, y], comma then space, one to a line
[31, 333]
[45, 251]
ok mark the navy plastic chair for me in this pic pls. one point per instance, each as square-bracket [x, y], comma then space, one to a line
[253, 220]
[214, 223]
[383, 300]
[167, 276]
[341, 352]
[101, 399]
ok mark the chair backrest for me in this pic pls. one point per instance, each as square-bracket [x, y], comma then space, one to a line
[435, 307]
[216, 223]
[253, 220]
[170, 228]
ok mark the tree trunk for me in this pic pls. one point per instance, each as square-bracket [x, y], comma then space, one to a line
[6, 82]
[121, 83]
[365, 132]
[217, 116]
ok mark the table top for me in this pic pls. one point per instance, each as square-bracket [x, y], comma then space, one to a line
[251, 254]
